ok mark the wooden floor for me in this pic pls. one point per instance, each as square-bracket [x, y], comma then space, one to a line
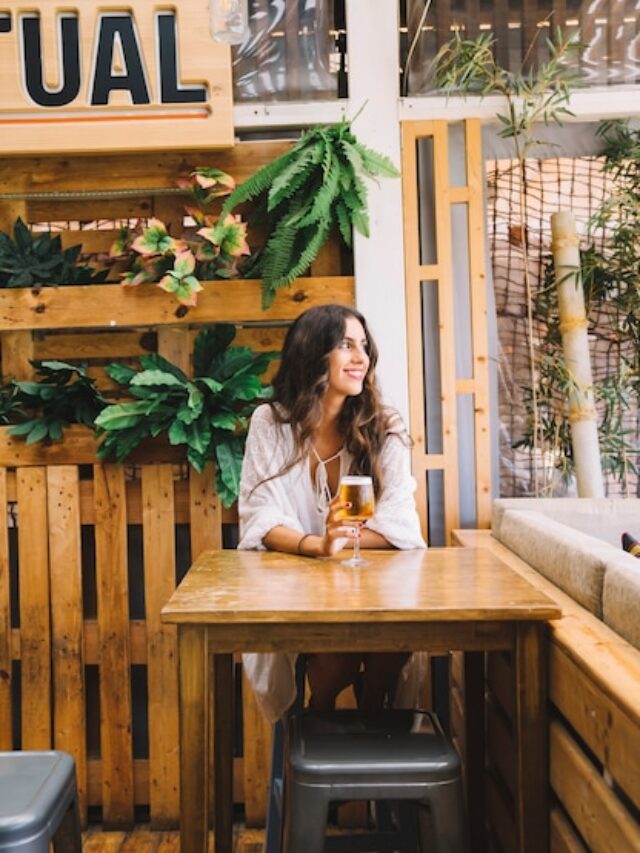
[143, 840]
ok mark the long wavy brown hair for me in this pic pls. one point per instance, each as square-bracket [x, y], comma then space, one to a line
[302, 381]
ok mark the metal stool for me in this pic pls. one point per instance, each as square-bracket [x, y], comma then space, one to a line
[38, 802]
[387, 755]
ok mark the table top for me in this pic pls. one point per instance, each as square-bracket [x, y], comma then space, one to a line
[434, 585]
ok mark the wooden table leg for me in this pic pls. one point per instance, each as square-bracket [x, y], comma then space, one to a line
[531, 738]
[223, 751]
[474, 747]
[194, 742]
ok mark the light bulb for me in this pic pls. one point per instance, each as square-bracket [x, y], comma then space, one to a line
[229, 20]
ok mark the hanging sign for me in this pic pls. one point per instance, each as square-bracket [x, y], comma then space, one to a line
[97, 76]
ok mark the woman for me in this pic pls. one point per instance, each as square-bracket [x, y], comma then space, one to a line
[325, 420]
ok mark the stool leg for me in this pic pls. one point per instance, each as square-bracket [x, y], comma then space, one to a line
[448, 818]
[305, 819]
[68, 837]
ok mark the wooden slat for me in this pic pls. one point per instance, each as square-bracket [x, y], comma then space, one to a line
[500, 679]
[500, 746]
[257, 757]
[606, 729]
[17, 352]
[65, 571]
[174, 344]
[6, 677]
[115, 655]
[148, 305]
[35, 626]
[123, 171]
[205, 512]
[562, 836]
[501, 815]
[601, 818]
[162, 669]
[97, 345]
[479, 327]
[410, 133]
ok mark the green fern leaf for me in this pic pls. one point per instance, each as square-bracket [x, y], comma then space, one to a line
[344, 222]
[307, 254]
[258, 183]
[376, 164]
[360, 219]
[278, 252]
[290, 179]
[352, 201]
[324, 198]
[353, 156]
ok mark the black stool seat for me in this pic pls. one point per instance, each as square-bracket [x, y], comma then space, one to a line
[387, 755]
[38, 802]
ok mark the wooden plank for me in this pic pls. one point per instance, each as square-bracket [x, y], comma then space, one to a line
[35, 626]
[17, 352]
[500, 680]
[602, 820]
[6, 674]
[500, 810]
[148, 171]
[479, 321]
[174, 344]
[97, 345]
[159, 583]
[562, 836]
[78, 448]
[257, 741]
[500, 746]
[474, 740]
[115, 655]
[65, 571]
[411, 131]
[89, 306]
[531, 738]
[608, 732]
[205, 528]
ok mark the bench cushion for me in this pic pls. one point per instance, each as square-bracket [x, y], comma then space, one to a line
[601, 518]
[621, 598]
[574, 562]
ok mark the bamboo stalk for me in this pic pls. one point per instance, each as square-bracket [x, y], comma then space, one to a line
[575, 346]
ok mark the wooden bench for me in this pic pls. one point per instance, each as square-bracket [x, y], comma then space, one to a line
[594, 690]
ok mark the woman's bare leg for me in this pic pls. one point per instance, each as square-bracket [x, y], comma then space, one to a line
[329, 673]
[381, 671]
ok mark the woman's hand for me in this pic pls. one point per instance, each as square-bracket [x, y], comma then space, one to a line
[338, 531]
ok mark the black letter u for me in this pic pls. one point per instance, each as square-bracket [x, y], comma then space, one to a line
[69, 72]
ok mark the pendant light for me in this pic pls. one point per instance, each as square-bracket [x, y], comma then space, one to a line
[229, 20]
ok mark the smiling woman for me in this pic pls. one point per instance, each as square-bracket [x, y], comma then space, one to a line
[326, 420]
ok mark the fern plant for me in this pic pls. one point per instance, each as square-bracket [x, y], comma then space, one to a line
[302, 194]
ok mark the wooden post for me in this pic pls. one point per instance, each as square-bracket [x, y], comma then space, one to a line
[575, 345]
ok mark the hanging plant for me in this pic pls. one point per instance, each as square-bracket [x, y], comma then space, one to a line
[320, 183]
[208, 414]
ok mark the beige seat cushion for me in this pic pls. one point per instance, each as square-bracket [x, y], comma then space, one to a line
[602, 518]
[621, 598]
[571, 560]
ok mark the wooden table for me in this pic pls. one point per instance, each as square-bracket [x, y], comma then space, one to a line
[438, 600]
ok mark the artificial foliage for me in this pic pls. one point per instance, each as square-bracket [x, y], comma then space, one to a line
[302, 194]
[61, 395]
[30, 260]
[208, 414]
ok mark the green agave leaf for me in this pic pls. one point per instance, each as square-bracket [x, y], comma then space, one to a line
[157, 377]
[208, 346]
[120, 373]
[121, 415]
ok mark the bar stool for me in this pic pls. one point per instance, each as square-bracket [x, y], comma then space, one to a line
[38, 803]
[386, 755]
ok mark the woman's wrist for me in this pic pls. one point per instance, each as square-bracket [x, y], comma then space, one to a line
[310, 545]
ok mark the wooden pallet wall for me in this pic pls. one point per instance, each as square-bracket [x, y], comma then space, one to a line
[91, 552]
[429, 278]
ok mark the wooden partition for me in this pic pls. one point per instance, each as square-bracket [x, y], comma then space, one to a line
[447, 320]
[91, 552]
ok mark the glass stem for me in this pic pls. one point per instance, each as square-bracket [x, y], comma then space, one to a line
[356, 545]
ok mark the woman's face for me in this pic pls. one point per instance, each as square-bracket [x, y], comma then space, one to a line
[349, 361]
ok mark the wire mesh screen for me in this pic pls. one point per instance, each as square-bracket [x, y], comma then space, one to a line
[550, 185]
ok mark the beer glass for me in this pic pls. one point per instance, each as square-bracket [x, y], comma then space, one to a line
[357, 491]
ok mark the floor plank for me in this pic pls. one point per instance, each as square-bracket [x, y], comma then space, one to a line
[143, 840]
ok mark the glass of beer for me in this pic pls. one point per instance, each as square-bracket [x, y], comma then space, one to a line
[357, 491]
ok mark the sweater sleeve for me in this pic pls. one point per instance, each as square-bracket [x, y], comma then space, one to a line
[264, 503]
[395, 515]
